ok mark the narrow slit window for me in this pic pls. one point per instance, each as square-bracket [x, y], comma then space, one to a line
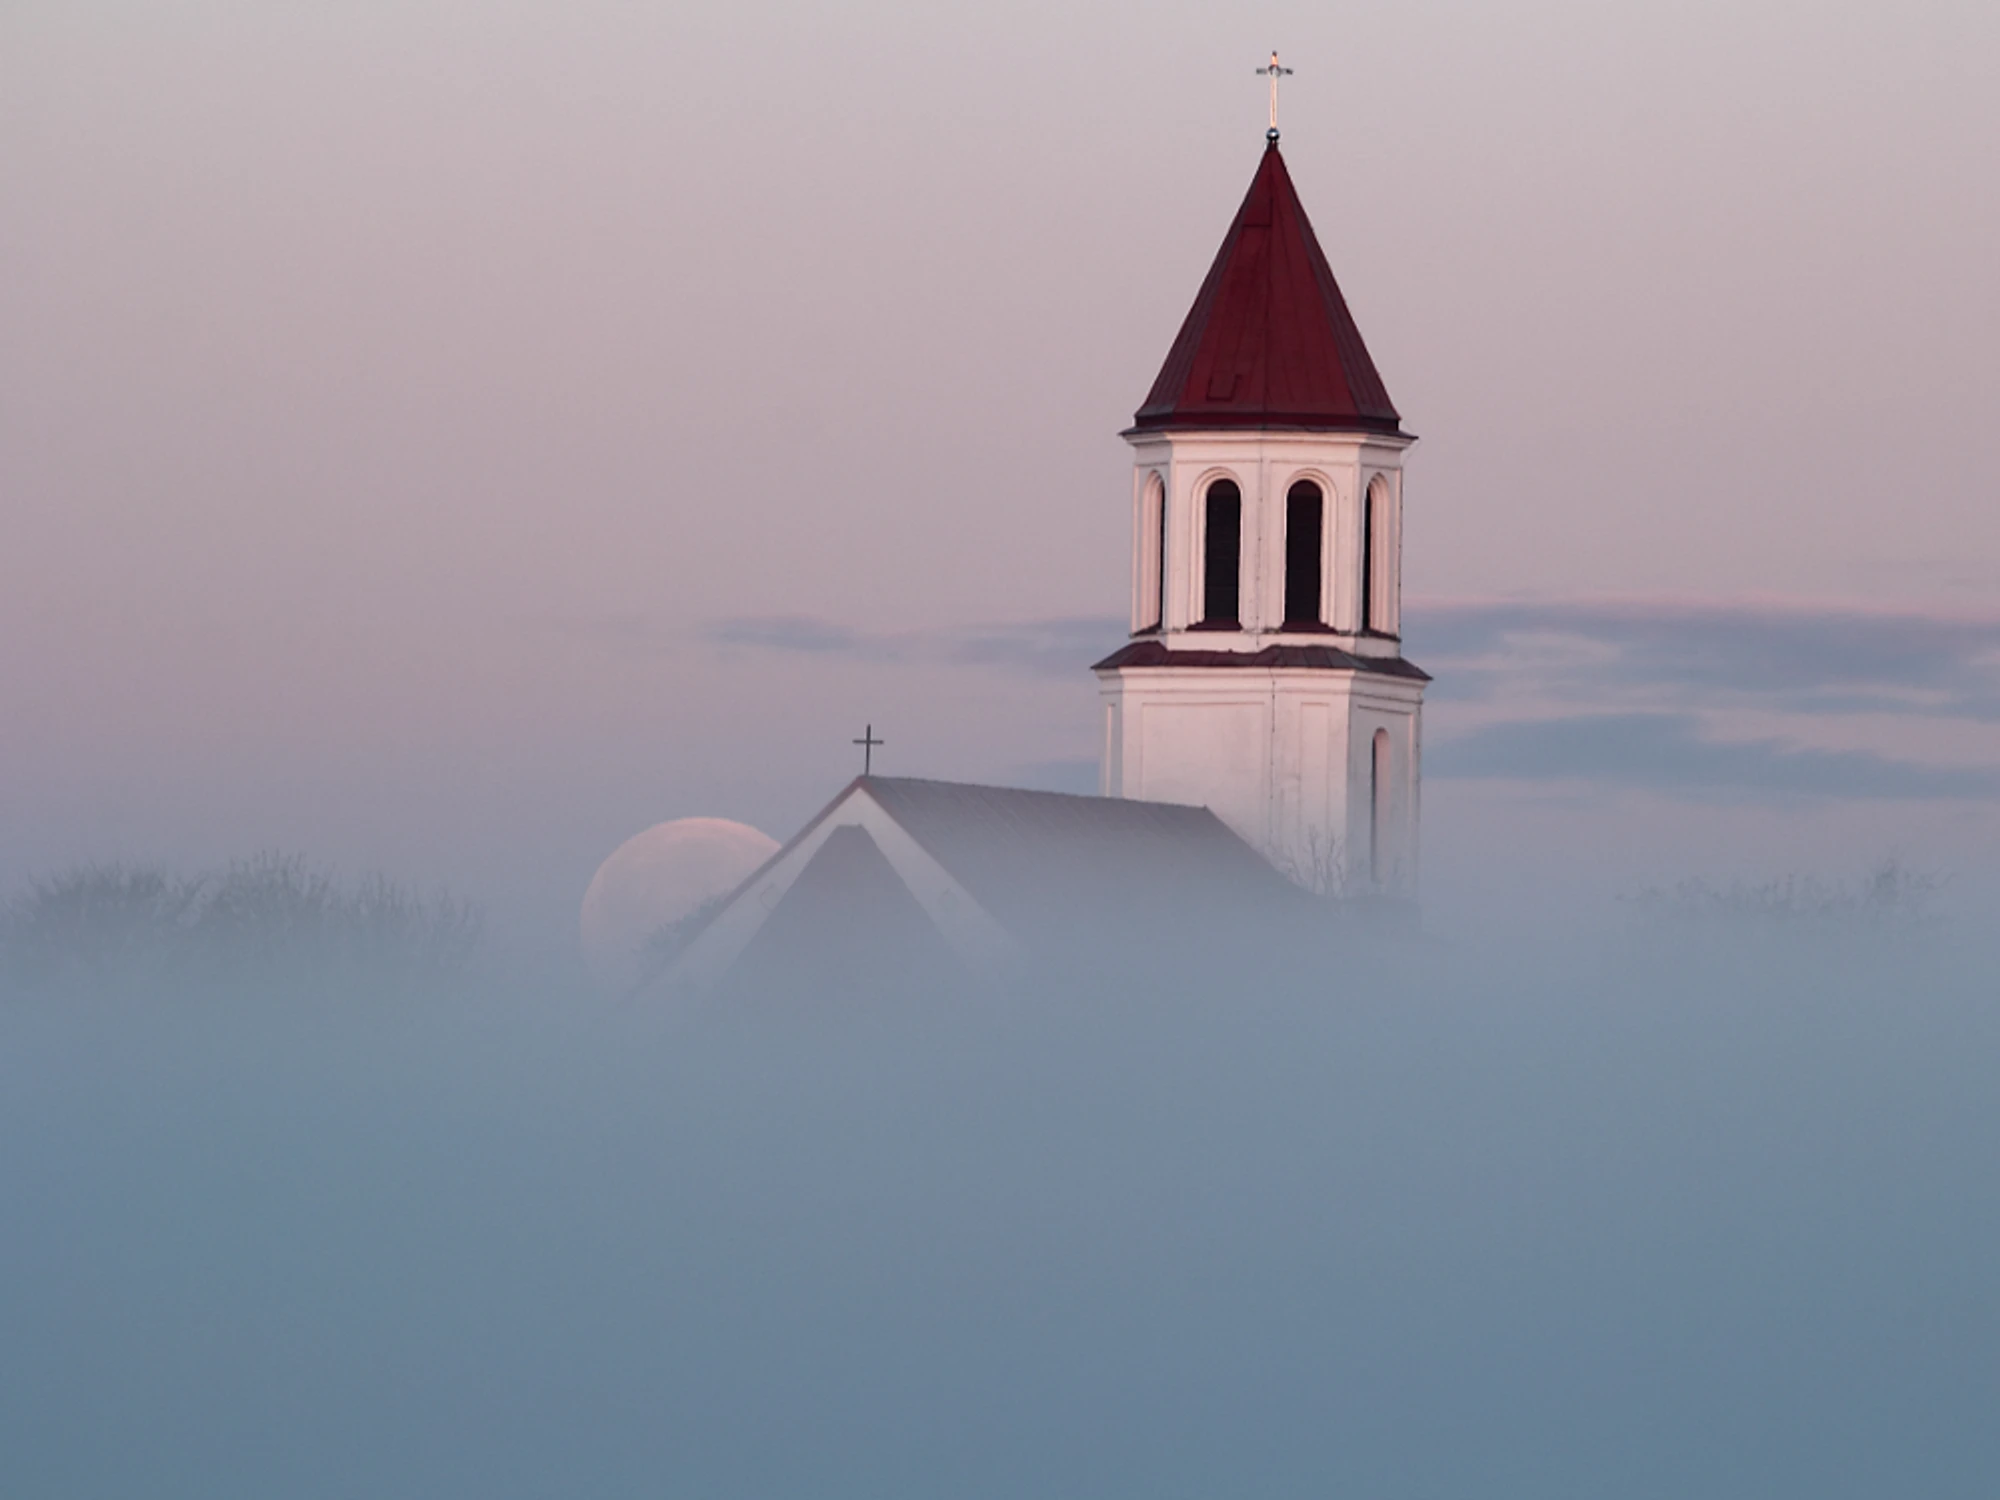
[1305, 508]
[1370, 503]
[1378, 800]
[1159, 580]
[1222, 554]
[1151, 552]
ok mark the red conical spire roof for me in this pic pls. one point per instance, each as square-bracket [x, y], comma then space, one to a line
[1269, 341]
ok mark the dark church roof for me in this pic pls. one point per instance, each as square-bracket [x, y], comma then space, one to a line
[1046, 861]
[1044, 874]
[1269, 341]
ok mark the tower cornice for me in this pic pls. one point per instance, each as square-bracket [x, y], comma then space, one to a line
[1276, 434]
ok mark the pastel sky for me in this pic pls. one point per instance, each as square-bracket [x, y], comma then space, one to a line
[452, 437]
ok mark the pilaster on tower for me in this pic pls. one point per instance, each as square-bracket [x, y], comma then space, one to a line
[1265, 676]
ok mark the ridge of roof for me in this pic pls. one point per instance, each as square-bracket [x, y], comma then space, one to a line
[968, 791]
[1269, 341]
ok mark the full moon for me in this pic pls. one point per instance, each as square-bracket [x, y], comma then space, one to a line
[655, 879]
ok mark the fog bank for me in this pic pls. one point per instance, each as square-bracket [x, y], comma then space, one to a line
[1667, 1211]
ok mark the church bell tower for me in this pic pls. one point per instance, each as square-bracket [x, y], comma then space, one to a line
[1264, 677]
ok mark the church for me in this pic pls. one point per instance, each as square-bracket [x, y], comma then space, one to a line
[1262, 731]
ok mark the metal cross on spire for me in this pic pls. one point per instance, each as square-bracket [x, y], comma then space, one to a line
[1275, 73]
[868, 742]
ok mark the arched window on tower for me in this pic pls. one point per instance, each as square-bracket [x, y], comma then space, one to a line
[1378, 808]
[1222, 554]
[1153, 547]
[1304, 509]
[1374, 551]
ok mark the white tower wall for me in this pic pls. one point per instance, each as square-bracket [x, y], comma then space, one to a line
[1283, 749]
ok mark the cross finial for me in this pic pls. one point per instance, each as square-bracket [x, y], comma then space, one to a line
[868, 742]
[1275, 73]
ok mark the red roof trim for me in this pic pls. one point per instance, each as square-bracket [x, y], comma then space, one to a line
[1313, 658]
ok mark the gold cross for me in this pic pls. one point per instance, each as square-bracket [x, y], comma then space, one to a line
[1275, 72]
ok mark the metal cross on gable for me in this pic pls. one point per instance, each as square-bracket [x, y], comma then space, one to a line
[868, 742]
[1274, 72]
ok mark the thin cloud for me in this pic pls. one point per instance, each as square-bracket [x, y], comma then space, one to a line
[1046, 648]
[1619, 694]
[794, 633]
[1800, 660]
[1803, 660]
[1041, 648]
[1669, 752]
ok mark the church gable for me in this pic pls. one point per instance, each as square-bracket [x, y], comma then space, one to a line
[847, 925]
[986, 876]
[981, 945]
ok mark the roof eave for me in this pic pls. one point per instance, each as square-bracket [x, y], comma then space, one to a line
[1332, 426]
[1155, 655]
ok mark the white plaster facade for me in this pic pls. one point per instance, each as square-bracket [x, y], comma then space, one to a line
[1319, 767]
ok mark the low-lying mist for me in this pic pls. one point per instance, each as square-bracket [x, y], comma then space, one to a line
[1675, 1207]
